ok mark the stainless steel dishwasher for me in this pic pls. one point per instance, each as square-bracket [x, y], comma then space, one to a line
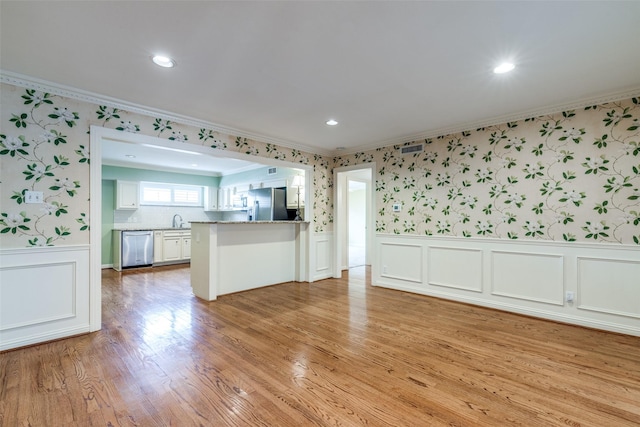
[137, 248]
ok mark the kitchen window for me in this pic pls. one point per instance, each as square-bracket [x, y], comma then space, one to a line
[158, 194]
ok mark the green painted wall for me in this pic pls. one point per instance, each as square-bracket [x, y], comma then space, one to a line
[107, 220]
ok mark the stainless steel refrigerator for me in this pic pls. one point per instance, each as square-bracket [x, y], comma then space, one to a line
[267, 204]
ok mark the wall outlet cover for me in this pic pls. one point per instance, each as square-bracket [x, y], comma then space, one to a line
[33, 197]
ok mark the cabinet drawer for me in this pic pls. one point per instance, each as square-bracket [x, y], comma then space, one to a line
[177, 233]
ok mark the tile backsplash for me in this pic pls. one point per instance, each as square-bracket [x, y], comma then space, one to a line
[161, 216]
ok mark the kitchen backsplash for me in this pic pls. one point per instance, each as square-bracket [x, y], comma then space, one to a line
[161, 216]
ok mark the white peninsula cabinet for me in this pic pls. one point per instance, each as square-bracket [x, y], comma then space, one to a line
[127, 195]
[235, 256]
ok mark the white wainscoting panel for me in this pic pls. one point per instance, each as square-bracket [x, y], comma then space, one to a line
[609, 286]
[459, 268]
[322, 256]
[54, 284]
[529, 276]
[401, 261]
[44, 294]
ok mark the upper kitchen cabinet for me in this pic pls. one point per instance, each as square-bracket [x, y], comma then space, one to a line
[211, 199]
[127, 195]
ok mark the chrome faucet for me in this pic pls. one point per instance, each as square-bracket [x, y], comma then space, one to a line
[177, 224]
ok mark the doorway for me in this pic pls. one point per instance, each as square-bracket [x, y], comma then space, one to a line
[98, 135]
[357, 222]
[353, 226]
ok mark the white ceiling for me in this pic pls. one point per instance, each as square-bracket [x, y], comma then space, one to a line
[117, 153]
[389, 72]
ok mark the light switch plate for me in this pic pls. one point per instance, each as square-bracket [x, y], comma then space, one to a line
[397, 207]
[33, 196]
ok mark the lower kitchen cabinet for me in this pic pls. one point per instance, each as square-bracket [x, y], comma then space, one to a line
[176, 245]
[186, 247]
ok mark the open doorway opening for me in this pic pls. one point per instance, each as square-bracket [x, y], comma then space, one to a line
[357, 221]
[101, 234]
[353, 209]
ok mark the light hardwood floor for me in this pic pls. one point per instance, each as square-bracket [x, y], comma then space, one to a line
[334, 352]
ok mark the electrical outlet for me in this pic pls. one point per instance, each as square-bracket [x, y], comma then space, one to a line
[569, 296]
[384, 269]
[33, 197]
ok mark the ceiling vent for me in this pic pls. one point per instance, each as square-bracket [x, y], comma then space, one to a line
[411, 149]
[272, 171]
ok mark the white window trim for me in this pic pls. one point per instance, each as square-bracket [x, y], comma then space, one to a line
[172, 188]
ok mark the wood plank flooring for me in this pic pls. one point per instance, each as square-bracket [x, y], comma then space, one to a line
[330, 353]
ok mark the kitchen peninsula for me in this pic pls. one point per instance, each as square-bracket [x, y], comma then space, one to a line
[234, 256]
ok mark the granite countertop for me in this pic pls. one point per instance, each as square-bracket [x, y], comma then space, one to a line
[249, 222]
[140, 227]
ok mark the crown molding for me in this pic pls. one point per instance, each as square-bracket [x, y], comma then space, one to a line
[498, 120]
[20, 80]
[85, 96]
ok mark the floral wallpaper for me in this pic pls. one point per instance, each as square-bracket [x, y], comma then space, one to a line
[44, 146]
[572, 177]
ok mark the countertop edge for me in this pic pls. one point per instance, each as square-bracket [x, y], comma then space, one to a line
[157, 228]
[249, 222]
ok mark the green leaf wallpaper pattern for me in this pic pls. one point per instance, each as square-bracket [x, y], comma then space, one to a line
[37, 155]
[572, 176]
[44, 146]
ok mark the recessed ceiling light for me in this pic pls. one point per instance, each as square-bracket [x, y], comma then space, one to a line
[505, 67]
[331, 122]
[163, 61]
[131, 156]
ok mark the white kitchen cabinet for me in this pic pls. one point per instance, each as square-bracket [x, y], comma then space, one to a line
[211, 199]
[225, 195]
[127, 195]
[176, 245]
[117, 249]
[171, 248]
[158, 243]
[186, 247]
